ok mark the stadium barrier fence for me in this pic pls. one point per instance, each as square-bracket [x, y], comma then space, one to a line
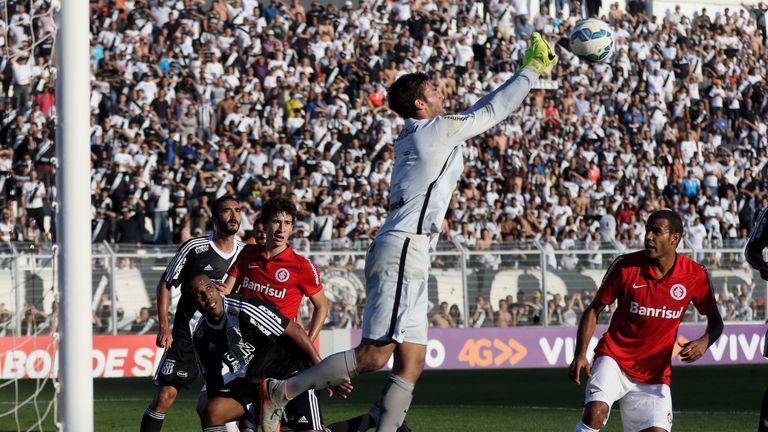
[125, 280]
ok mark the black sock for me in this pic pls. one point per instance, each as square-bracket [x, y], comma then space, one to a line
[763, 427]
[357, 424]
[152, 421]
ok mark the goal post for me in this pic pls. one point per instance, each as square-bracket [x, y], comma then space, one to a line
[73, 216]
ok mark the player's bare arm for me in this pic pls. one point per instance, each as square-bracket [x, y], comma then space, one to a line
[695, 349]
[296, 333]
[320, 312]
[164, 337]
[586, 330]
[210, 368]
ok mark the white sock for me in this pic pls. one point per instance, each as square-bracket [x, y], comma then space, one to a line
[334, 370]
[581, 427]
[395, 401]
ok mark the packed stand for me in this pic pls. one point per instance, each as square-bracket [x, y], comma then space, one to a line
[191, 100]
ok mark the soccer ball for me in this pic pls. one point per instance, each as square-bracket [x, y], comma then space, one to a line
[592, 40]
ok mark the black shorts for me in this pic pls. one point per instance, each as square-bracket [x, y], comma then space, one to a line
[239, 388]
[178, 366]
[302, 412]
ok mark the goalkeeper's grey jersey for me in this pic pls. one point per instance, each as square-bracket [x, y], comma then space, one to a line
[429, 160]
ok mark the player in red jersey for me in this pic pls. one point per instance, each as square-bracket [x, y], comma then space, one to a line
[652, 288]
[758, 240]
[275, 273]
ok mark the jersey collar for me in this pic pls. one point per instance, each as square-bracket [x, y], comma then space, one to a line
[264, 254]
[650, 273]
[221, 253]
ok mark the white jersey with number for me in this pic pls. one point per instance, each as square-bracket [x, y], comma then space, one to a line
[429, 162]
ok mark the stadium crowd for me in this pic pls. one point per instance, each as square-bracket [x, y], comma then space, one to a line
[193, 99]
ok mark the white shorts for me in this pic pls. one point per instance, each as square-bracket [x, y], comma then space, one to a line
[396, 275]
[642, 405]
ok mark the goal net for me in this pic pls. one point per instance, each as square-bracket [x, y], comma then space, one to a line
[28, 337]
[28, 294]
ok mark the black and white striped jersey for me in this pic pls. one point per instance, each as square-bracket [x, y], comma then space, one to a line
[757, 241]
[247, 341]
[196, 256]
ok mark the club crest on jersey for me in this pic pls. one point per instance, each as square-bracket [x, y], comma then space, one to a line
[167, 367]
[678, 291]
[282, 275]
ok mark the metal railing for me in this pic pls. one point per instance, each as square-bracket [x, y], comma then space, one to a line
[125, 279]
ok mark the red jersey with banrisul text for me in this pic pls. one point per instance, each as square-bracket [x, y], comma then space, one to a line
[643, 328]
[281, 280]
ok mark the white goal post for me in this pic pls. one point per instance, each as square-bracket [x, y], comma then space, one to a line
[73, 216]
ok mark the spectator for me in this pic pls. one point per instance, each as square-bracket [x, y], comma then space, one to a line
[441, 317]
[455, 314]
[744, 311]
[503, 316]
[481, 314]
[33, 320]
[143, 323]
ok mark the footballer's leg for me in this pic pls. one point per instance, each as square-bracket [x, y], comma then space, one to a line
[407, 327]
[594, 417]
[363, 422]
[370, 356]
[154, 415]
[336, 369]
[397, 394]
[303, 414]
[202, 402]
[232, 426]
[176, 370]
[647, 407]
[606, 385]
[219, 411]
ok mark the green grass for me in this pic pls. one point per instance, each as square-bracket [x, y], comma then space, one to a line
[705, 399]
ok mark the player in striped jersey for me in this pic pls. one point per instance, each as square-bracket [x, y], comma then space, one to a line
[428, 163]
[212, 255]
[758, 240]
[245, 335]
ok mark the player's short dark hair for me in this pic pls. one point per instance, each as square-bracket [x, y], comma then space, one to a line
[674, 220]
[277, 205]
[404, 91]
[216, 206]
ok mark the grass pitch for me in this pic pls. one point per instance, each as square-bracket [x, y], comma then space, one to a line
[706, 398]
